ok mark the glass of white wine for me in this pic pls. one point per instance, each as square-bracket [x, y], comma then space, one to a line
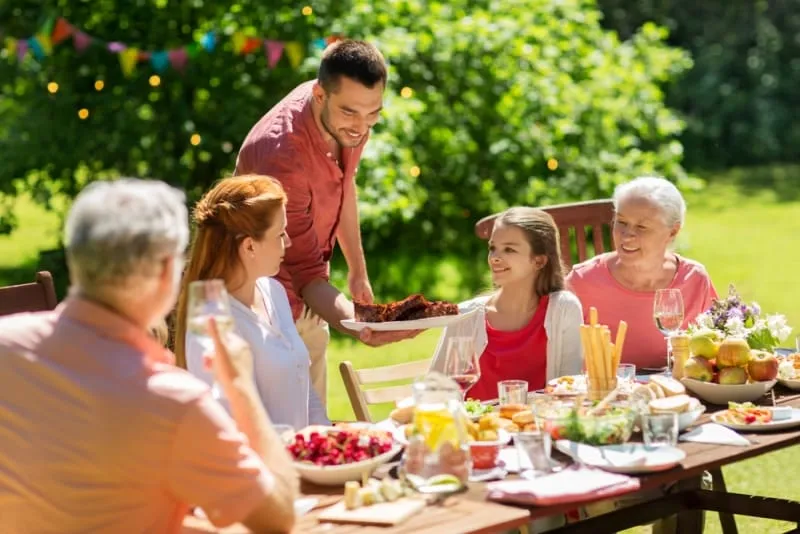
[208, 299]
[668, 315]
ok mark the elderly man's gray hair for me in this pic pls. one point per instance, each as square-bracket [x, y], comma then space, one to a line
[123, 228]
[658, 191]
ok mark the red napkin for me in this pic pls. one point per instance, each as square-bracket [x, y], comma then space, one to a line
[574, 484]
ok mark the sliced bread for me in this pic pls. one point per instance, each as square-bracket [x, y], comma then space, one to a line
[670, 386]
[656, 389]
[672, 404]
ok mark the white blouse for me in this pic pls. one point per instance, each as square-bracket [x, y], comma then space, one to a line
[280, 359]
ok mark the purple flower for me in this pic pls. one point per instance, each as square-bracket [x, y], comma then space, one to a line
[735, 312]
[755, 308]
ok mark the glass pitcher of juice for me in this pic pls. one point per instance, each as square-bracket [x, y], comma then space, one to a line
[438, 451]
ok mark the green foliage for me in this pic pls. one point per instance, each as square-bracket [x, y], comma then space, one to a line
[520, 102]
[498, 90]
[740, 98]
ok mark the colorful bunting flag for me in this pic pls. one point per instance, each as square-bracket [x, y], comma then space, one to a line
[274, 49]
[62, 30]
[127, 60]
[295, 52]
[55, 30]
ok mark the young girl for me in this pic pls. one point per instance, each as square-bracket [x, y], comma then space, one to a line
[528, 328]
[241, 239]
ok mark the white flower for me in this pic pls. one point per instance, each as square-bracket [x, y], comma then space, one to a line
[778, 327]
[786, 370]
[704, 321]
[735, 327]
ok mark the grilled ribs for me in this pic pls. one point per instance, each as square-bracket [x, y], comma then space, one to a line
[410, 308]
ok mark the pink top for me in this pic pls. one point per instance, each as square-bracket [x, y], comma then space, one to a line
[101, 433]
[287, 145]
[645, 346]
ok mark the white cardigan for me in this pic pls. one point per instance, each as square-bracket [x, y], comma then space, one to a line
[562, 324]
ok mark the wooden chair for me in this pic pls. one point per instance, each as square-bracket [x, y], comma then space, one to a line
[35, 296]
[572, 221]
[361, 398]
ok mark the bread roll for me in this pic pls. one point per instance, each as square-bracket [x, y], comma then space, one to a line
[669, 385]
[508, 410]
[525, 417]
[403, 415]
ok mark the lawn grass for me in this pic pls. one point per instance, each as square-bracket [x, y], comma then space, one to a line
[742, 227]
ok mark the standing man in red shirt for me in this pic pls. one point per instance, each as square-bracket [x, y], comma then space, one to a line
[312, 141]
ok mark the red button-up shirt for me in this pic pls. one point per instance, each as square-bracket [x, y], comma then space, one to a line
[287, 144]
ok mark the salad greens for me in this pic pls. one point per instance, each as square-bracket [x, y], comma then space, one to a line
[476, 407]
[614, 426]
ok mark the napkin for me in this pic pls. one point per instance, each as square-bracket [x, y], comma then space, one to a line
[574, 484]
[714, 433]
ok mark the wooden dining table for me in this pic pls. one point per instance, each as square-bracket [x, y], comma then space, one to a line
[676, 491]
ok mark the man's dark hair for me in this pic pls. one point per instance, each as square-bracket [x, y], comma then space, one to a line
[358, 60]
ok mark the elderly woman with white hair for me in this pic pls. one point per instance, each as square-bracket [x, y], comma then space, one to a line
[649, 213]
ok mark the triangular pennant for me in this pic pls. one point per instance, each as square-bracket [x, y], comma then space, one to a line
[116, 47]
[45, 43]
[295, 52]
[36, 48]
[320, 44]
[11, 46]
[332, 39]
[61, 31]
[208, 41]
[81, 41]
[143, 56]
[192, 50]
[47, 27]
[239, 40]
[251, 44]
[127, 60]
[178, 58]
[159, 60]
[273, 49]
[22, 49]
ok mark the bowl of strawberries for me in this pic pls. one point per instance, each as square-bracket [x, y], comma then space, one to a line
[331, 456]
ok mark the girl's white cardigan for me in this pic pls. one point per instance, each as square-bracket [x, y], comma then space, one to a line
[562, 324]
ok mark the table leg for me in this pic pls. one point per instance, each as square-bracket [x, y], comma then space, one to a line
[727, 520]
[690, 521]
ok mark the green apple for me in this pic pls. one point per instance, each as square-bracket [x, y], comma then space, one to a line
[730, 376]
[733, 352]
[698, 368]
[704, 343]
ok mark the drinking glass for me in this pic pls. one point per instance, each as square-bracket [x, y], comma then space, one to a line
[512, 392]
[461, 363]
[668, 315]
[626, 373]
[535, 446]
[208, 299]
[660, 430]
[797, 343]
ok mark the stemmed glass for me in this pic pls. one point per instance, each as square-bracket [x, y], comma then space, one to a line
[207, 299]
[668, 315]
[461, 363]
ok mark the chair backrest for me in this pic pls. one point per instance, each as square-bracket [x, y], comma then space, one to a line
[361, 398]
[584, 222]
[35, 296]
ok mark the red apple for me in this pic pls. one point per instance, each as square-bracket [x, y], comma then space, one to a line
[731, 376]
[733, 352]
[763, 366]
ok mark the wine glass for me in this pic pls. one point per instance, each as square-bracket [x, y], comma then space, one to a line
[207, 299]
[461, 363]
[668, 315]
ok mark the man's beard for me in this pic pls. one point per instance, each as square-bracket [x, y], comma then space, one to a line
[325, 120]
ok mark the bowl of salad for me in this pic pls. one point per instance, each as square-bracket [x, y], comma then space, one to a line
[475, 409]
[590, 424]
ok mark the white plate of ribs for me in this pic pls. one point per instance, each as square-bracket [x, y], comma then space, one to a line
[414, 312]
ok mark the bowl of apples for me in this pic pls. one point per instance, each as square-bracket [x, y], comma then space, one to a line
[736, 374]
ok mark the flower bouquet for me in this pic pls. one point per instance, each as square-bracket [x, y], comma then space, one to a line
[732, 317]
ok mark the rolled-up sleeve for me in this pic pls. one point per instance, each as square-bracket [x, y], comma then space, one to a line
[303, 260]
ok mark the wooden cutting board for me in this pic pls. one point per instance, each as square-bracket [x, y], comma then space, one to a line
[381, 514]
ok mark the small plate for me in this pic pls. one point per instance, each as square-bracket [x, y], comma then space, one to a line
[629, 458]
[791, 384]
[761, 427]
[417, 324]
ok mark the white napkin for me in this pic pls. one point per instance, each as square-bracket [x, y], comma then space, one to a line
[714, 433]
